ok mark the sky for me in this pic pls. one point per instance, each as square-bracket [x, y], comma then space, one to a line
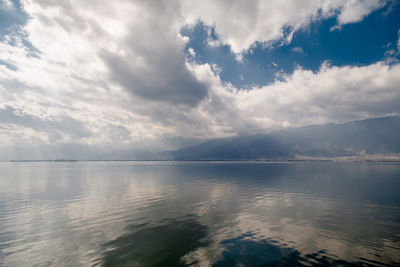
[89, 77]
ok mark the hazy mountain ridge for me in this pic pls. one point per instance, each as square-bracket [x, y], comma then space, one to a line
[373, 139]
[367, 137]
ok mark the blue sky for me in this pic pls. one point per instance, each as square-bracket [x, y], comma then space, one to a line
[358, 44]
[8, 17]
[160, 74]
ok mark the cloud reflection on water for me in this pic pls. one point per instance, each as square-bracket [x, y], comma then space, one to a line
[199, 213]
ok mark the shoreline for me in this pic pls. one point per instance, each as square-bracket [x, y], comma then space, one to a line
[335, 160]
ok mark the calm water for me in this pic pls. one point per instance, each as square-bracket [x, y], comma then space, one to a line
[199, 213]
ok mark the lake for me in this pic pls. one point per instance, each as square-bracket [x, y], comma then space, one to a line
[199, 214]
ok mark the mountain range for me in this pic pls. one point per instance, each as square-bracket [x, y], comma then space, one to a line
[367, 137]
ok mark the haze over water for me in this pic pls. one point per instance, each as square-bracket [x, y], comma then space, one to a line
[199, 213]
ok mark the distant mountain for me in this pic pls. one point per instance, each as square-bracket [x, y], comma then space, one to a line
[253, 147]
[372, 136]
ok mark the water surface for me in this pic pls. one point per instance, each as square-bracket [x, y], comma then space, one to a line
[199, 213]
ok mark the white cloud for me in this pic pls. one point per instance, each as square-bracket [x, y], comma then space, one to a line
[69, 79]
[298, 49]
[333, 94]
[398, 41]
[355, 10]
[116, 73]
[242, 23]
[191, 52]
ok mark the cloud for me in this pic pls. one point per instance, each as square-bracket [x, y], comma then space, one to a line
[116, 73]
[333, 94]
[298, 50]
[144, 56]
[152, 64]
[354, 11]
[59, 127]
[242, 23]
[398, 40]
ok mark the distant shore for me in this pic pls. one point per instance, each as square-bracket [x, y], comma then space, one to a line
[298, 159]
